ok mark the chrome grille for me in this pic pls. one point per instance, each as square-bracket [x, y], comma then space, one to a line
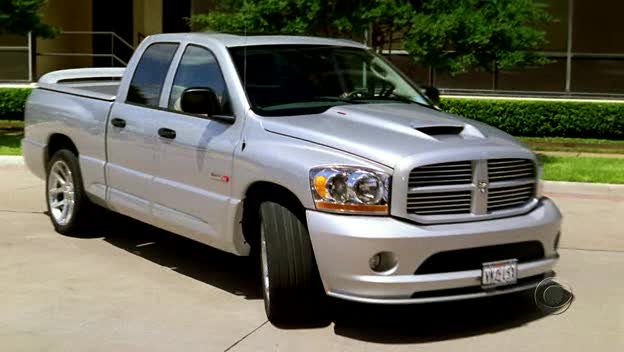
[441, 174]
[509, 169]
[439, 203]
[509, 197]
[470, 189]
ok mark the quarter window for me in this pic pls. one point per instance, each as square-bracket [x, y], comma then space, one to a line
[150, 74]
[199, 68]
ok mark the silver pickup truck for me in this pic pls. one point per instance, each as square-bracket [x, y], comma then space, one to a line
[315, 155]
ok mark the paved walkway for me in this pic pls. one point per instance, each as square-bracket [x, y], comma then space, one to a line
[130, 287]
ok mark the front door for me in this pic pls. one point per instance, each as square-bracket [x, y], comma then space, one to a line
[191, 184]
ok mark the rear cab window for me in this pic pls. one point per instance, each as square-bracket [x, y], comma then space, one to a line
[150, 73]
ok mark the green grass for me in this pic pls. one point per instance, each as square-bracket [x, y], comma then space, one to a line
[583, 169]
[578, 145]
[11, 132]
[10, 143]
[556, 168]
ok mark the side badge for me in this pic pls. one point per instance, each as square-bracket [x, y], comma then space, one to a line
[222, 178]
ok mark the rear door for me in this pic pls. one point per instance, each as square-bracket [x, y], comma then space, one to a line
[191, 186]
[130, 139]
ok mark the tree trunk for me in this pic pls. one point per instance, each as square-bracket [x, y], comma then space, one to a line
[494, 76]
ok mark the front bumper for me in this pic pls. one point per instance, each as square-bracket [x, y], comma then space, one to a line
[344, 244]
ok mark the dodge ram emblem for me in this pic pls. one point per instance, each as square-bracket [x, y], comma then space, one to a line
[483, 186]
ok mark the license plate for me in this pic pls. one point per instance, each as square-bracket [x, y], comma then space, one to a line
[504, 272]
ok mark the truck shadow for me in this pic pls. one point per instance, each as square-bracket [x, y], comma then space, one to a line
[372, 323]
[434, 322]
[187, 257]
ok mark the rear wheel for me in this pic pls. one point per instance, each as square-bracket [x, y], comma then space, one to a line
[291, 286]
[65, 197]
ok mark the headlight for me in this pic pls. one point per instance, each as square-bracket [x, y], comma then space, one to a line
[346, 189]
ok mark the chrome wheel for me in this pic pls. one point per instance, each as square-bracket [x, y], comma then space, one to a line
[61, 193]
[265, 266]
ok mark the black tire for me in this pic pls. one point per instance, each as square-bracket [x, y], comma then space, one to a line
[81, 204]
[295, 293]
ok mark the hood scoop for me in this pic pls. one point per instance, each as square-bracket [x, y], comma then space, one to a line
[449, 132]
[441, 130]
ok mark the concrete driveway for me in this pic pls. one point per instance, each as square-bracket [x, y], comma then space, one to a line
[130, 287]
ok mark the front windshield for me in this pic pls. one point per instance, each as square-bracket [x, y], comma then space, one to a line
[308, 79]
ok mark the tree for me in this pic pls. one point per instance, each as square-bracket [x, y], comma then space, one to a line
[454, 36]
[448, 35]
[312, 17]
[23, 16]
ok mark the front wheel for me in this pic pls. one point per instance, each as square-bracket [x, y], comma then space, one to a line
[291, 286]
[65, 197]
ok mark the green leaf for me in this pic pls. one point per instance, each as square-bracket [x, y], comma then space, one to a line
[449, 35]
[23, 16]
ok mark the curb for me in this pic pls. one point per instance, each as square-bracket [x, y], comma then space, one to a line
[584, 188]
[581, 154]
[11, 160]
[582, 184]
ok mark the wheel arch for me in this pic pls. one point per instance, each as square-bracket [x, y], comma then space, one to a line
[58, 141]
[260, 191]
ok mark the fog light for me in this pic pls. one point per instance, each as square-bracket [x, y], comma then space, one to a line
[384, 263]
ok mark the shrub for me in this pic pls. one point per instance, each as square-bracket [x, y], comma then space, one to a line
[12, 101]
[528, 118]
[543, 118]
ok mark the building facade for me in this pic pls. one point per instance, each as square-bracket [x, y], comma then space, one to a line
[94, 33]
[585, 46]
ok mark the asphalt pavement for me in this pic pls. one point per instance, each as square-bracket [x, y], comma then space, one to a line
[130, 287]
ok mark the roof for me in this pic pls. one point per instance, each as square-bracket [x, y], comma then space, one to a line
[232, 40]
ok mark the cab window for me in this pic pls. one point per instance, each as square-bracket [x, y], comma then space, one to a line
[199, 69]
[150, 73]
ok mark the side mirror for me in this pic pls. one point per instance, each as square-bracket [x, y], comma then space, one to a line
[201, 101]
[432, 93]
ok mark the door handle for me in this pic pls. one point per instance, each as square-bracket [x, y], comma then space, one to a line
[117, 122]
[167, 133]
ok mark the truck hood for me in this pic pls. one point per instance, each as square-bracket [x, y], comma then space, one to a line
[387, 133]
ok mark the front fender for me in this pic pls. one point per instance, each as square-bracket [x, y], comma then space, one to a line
[285, 161]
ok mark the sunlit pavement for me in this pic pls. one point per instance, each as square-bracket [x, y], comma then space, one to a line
[130, 287]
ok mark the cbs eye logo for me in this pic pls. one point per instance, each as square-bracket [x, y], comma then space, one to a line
[553, 296]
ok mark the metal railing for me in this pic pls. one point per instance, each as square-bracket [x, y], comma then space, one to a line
[114, 38]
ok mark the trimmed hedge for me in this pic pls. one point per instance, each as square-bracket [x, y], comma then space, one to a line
[528, 118]
[543, 118]
[12, 101]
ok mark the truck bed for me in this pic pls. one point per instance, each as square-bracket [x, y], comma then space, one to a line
[76, 102]
[96, 83]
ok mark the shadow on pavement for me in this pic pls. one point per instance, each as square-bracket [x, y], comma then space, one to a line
[373, 323]
[434, 322]
[226, 271]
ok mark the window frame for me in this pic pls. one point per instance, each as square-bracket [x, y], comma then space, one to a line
[233, 52]
[178, 61]
[160, 92]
